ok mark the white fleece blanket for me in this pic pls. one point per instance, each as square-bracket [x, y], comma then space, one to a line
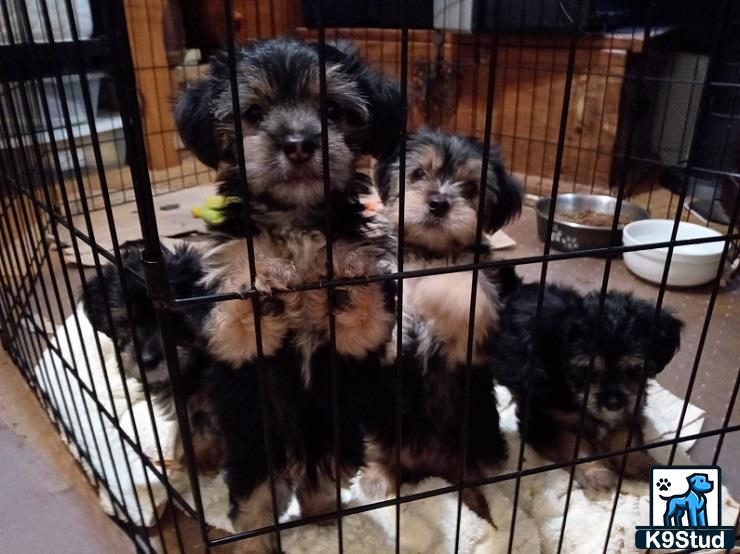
[427, 526]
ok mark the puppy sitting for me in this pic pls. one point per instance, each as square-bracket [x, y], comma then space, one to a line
[549, 359]
[184, 271]
[443, 184]
[278, 88]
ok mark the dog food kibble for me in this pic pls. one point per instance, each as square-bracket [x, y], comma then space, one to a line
[593, 218]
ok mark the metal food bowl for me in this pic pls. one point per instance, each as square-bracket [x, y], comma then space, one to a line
[567, 236]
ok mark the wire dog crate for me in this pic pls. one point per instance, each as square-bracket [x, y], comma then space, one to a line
[642, 105]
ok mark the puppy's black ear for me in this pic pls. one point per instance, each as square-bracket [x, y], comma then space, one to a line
[384, 105]
[194, 113]
[106, 285]
[379, 135]
[195, 123]
[503, 195]
[666, 340]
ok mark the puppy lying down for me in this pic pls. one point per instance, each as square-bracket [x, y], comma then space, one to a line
[573, 345]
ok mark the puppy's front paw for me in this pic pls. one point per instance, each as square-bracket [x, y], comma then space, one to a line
[363, 321]
[348, 262]
[274, 274]
[596, 477]
[352, 260]
[231, 325]
[638, 465]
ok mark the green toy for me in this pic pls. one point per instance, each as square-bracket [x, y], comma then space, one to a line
[210, 210]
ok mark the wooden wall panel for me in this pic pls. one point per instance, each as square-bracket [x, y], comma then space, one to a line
[528, 95]
[527, 108]
[144, 19]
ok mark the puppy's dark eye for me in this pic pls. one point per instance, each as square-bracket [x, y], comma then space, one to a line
[469, 189]
[635, 370]
[418, 174]
[254, 114]
[333, 111]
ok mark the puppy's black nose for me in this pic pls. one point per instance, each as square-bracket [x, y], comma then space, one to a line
[299, 148]
[439, 206]
[613, 402]
[150, 359]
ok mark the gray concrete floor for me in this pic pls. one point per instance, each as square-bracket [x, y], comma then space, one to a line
[46, 503]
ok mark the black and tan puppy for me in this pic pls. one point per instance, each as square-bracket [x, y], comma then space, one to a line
[278, 88]
[278, 92]
[138, 327]
[224, 402]
[549, 358]
[443, 187]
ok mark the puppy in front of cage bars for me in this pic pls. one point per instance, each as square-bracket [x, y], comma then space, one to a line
[137, 326]
[547, 361]
[279, 96]
[442, 191]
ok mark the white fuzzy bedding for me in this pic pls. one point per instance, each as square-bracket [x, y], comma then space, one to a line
[427, 526]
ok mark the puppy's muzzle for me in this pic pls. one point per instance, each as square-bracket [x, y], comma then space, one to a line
[150, 359]
[613, 401]
[439, 205]
[299, 148]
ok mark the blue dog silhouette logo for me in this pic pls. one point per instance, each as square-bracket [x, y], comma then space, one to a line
[692, 503]
[685, 510]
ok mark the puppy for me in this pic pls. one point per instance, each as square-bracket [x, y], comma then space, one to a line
[278, 87]
[549, 359]
[443, 186]
[224, 402]
[184, 271]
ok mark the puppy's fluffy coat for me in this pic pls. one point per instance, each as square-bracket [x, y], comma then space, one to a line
[138, 327]
[443, 184]
[224, 402]
[278, 88]
[550, 357]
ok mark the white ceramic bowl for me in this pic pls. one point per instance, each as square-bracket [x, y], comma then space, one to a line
[693, 264]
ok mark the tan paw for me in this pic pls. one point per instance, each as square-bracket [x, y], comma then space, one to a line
[351, 260]
[275, 274]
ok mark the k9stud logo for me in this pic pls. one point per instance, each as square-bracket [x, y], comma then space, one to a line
[685, 510]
